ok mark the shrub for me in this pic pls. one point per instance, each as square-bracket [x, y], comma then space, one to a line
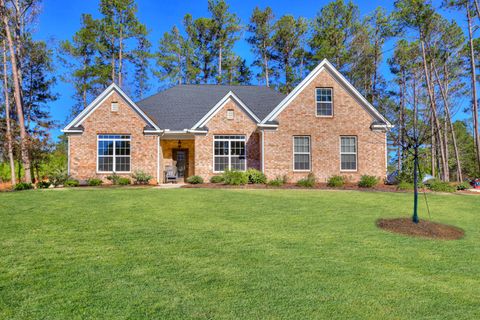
[113, 178]
[308, 182]
[71, 183]
[367, 181]
[141, 177]
[336, 181]
[405, 186]
[23, 186]
[58, 177]
[123, 181]
[195, 180]
[43, 184]
[440, 186]
[256, 177]
[235, 177]
[216, 179]
[94, 182]
[463, 186]
[277, 182]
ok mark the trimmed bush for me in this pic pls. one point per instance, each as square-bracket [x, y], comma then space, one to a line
[277, 182]
[94, 182]
[23, 186]
[308, 182]
[336, 181]
[71, 183]
[216, 179]
[195, 180]
[43, 184]
[367, 181]
[113, 178]
[141, 177]
[123, 181]
[463, 186]
[235, 177]
[256, 177]
[440, 186]
[405, 186]
[58, 177]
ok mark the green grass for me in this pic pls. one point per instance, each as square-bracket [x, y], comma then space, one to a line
[230, 254]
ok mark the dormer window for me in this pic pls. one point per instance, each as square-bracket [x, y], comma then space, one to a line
[230, 114]
[324, 98]
[114, 106]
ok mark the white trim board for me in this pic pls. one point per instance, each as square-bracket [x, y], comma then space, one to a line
[216, 108]
[322, 66]
[99, 100]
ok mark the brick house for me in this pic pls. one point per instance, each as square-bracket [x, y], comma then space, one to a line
[324, 126]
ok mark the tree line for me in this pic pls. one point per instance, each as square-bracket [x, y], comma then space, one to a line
[432, 63]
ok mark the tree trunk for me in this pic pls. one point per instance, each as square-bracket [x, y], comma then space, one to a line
[448, 119]
[434, 113]
[474, 89]
[402, 120]
[120, 57]
[219, 65]
[7, 117]
[113, 59]
[415, 162]
[18, 98]
[265, 59]
[84, 89]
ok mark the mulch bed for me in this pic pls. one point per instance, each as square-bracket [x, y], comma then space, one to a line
[423, 228]
[321, 186]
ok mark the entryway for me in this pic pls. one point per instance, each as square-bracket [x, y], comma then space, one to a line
[180, 156]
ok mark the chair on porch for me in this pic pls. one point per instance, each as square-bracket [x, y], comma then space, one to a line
[171, 174]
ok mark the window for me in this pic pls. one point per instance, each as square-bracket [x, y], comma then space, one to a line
[230, 114]
[301, 153]
[113, 153]
[114, 106]
[324, 102]
[348, 153]
[229, 153]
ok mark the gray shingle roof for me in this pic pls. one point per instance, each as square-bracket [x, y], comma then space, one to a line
[182, 106]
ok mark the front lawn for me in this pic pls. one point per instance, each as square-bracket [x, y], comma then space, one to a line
[230, 254]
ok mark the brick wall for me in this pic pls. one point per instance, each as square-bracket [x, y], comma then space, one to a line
[241, 124]
[349, 118]
[83, 148]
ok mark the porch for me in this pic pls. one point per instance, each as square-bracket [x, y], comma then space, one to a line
[178, 152]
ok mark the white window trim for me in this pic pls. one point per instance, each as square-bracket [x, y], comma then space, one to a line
[114, 156]
[229, 156]
[317, 102]
[309, 153]
[356, 154]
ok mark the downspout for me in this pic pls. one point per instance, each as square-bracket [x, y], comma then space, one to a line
[263, 150]
[68, 154]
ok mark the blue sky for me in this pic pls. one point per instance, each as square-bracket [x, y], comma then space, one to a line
[59, 20]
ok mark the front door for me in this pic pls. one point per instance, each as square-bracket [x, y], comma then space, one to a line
[180, 156]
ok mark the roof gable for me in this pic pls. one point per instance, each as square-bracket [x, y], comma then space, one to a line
[75, 125]
[325, 65]
[210, 114]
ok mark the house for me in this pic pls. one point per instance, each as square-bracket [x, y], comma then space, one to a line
[324, 126]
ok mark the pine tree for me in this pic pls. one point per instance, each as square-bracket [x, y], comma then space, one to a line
[141, 60]
[84, 70]
[225, 27]
[170, 57]
[260, 39]
[287, 38]
[333, 32]
[119, 24]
